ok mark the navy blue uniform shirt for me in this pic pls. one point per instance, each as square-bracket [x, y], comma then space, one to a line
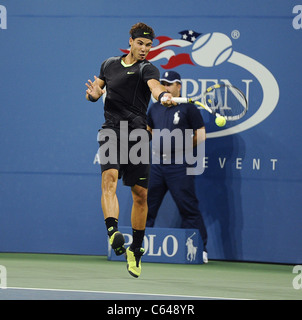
[182, 116]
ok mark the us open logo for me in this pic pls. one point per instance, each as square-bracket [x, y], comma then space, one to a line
[211, 50]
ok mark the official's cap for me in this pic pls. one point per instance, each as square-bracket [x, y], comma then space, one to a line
[170, 77]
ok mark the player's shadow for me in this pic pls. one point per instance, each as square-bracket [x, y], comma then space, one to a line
[219, 193]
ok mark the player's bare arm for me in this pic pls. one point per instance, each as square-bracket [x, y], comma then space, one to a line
[156, 89]
[95, 89]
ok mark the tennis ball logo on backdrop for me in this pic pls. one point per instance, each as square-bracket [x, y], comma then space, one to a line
[211, 49]
[208, 51]
[3, 17]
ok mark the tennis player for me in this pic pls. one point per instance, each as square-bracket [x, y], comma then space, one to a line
[173, 176]
[129, 79]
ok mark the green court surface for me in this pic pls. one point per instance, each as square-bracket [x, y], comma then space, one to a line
[50, 276]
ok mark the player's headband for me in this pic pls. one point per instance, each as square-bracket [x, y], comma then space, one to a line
[139, 33]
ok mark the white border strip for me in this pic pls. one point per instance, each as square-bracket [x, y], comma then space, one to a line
[123, 293]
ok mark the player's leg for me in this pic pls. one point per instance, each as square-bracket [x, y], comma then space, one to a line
[109, 150]
[136, 176]
[110, 208]
[109, 199]
[139, 207]
[138, 222]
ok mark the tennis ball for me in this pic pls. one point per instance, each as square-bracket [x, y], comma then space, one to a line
[212, 49]
[220, 121]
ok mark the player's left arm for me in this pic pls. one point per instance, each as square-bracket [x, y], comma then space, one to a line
[156, 89]
[199, 136]
[95, 89]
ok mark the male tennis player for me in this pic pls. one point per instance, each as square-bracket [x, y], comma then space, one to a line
[173, 177]
[129, 79]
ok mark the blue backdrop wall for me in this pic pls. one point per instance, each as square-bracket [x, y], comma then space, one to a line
[49, 187]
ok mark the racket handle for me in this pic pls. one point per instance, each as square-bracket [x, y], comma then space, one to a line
[176, 99]
[180, 100]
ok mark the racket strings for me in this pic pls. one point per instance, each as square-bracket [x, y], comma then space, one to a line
[228, 101]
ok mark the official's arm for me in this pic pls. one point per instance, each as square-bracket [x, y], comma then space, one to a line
[199, 136]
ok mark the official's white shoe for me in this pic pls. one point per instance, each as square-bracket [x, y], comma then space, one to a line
[205, 257]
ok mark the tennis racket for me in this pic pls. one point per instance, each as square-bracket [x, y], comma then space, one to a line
[221, 100]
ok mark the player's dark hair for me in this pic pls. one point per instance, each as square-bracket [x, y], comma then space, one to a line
[140, 29]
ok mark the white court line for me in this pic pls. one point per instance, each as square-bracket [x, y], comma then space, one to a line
[123, 293]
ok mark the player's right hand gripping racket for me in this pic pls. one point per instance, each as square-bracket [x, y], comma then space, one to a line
[221, 100]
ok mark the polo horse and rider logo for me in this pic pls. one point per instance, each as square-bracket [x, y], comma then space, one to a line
[191, 249]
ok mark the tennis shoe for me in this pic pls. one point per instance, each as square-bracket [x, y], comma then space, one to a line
[117, 242]
[205, 257]
[134, 261]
